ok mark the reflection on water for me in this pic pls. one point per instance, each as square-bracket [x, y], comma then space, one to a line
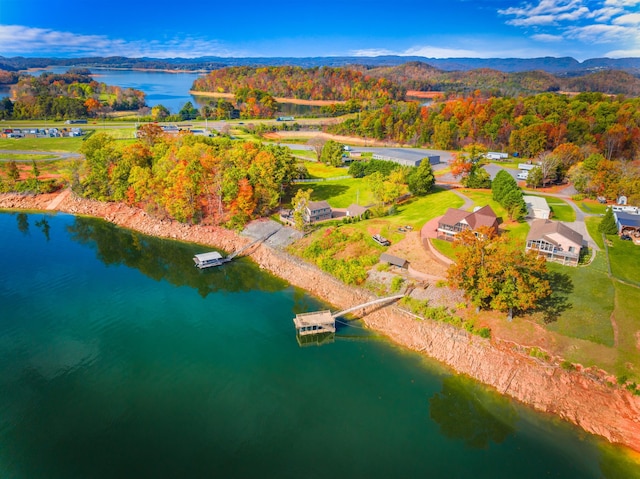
[472, 414]
[168, 260]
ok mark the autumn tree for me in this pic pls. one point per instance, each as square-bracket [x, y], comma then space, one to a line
[496, 273]
[299, 204]
[159, 112]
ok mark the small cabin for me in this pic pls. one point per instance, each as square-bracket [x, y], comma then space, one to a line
[207, 260]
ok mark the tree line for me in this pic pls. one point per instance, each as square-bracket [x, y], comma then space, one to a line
[69, 95]
[318, 83]
[188, 178]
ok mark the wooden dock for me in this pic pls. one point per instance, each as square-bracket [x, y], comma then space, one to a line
[318, 322]
[213, 258]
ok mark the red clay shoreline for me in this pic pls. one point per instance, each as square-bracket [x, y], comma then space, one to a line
[581, 397]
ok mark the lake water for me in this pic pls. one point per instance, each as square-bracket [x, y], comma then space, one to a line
[118, 358]
[162, 88]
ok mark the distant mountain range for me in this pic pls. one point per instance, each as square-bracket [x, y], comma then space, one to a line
[565, 66]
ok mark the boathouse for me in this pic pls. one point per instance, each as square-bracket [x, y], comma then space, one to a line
[206, 260]
[315, 323]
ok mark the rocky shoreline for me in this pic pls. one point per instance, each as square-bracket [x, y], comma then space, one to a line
[582, 397]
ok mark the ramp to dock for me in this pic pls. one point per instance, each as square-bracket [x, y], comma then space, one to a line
[364, 305]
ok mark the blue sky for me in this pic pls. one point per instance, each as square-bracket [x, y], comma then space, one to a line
[431, 28]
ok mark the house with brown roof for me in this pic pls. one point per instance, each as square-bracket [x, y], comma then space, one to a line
[555, 241]
[455, 221]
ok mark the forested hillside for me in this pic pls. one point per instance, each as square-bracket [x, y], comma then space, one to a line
[307, 84]
[70, 95]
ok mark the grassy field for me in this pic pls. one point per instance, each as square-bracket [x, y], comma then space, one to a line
[592, 223]
[25, 157]
[625, 259]
[320, 170]
[444, 247]
[584, 297]
[41, 144]
[591, 206]
[562, 211]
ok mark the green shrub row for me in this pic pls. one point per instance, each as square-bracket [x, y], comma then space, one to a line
[444, 315]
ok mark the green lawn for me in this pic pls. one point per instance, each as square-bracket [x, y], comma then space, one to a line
[591, 206]
[625, 260]
[592, 223]
[25, 157]
[445, 247]
[562, 211]
[321, 170]
[41, 144]
[583, 300]
[628, 322]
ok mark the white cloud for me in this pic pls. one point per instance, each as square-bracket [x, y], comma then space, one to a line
[430, 51]
[630, 19]
[601, 33]
[622, 3]
[547, 38]
[610, 21]
[18, 39]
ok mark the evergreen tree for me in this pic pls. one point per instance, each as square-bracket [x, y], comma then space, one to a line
[421, 179]
[608, 225]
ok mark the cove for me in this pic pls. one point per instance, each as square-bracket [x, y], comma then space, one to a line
[119, 358]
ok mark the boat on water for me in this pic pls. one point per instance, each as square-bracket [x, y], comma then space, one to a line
[208, 260]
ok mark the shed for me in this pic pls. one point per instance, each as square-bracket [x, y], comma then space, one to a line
[537, 207]
[394, 260]
[356, 210]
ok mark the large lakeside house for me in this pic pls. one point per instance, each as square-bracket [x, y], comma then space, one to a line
[555, 241]
[456, 221]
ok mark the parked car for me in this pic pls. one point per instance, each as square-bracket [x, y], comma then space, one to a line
[625, 238]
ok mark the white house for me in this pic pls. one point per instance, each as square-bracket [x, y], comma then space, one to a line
[537, 207]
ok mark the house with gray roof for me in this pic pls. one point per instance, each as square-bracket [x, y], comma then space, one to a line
[537, 207]
[317, 211]
[555, 241]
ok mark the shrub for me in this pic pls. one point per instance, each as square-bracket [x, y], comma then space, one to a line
[484, 332]
[396, 284]
[567, 365]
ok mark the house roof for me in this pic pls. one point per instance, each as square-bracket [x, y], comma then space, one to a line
[356, 210]
[481, 217]
[541, 229]
[536, 202]
[318, 205]
[627, 219]
[394, 260]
